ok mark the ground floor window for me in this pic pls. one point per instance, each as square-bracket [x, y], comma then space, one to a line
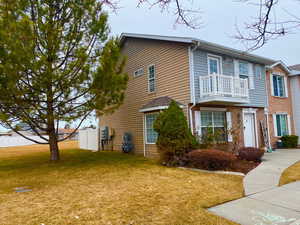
[282, 124]
[151, 135]
[214, 122]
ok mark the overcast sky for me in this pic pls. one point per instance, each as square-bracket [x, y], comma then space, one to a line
[219, 18]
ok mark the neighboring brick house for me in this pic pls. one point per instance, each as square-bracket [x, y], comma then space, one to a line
[280, 110]
[216, 87]
[295, 90]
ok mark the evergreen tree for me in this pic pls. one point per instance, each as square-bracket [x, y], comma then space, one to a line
[57, 64]
[174, 136]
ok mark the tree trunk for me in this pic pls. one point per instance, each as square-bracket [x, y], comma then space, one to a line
[54, 151]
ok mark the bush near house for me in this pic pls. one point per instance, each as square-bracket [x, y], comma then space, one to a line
[211, 159]
[174, 136]
[251, 154]
[290, 141]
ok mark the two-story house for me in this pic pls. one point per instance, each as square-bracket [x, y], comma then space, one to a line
[219, 88]
[280, 106]
[295, 90]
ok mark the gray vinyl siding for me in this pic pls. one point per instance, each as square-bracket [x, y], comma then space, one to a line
[258, 96]
[295, 87]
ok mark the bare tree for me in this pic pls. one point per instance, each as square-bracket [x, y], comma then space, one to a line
[266, 25]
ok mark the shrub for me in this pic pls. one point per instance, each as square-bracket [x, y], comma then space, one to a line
[290, 141]
[174, 136]
[211, 159]
[251, 154]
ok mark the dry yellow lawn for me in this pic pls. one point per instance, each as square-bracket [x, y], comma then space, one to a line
[106, 188]
[291, 174]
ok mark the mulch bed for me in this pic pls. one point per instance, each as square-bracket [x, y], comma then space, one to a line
[243, 166]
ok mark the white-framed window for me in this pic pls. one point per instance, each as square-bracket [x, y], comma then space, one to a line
[258, 71]
[138, 72]
[216, 121]
[151, 135]
[281, 124]
[151, 78]
[279, 86]
[243, 68]
[214, 64]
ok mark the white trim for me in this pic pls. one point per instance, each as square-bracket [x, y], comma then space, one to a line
[192, 75]
[271, 84]
[284, 83]
[198, 122]
[144, 139]
[156, 108]
[275, 123]
[213, 109]
[286, 90]
[140, 72]
[229, 126]
[236, 64]
[251, 111]
[284, 66]
[226, 99]
[212, 56]
[145, 130]
[289, 124]
[150, 92]
[251, 76]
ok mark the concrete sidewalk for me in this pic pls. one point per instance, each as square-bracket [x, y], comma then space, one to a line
[266, 203]
[279, 206]
[267, 175]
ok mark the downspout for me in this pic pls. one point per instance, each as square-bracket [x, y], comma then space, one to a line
[144, 136]
[192, 83]
[268, 109]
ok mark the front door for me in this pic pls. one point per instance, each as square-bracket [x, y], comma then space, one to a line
[249, 130]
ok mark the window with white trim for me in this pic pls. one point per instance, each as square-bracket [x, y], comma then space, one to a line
[138, 72]
[151, 134]
[151, 78]
[279, 86]
[244, 68]
[214, 65]
[216, 121]
[281, 124]
[258, 71]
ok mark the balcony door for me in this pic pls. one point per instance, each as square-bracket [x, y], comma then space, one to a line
[214, 65]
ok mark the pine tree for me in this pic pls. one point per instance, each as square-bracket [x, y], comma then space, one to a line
[57, 63]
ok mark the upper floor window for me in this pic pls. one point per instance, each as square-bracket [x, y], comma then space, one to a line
[244, 68]
[151, 135]
[279, 86]
[214, 65]
[138, 72]
[258, 71]
[151, 78]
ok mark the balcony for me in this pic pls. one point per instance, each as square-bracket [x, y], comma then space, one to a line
[216, 88]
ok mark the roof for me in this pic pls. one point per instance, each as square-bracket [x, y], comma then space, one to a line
[158, 104]
[203, 45]
[282, 64]
[295, 70]
[295, 67]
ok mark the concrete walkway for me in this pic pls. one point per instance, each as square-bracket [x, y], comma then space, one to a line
[266, 203]
[267, 175]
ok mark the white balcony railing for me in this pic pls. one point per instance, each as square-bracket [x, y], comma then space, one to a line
[229, 87]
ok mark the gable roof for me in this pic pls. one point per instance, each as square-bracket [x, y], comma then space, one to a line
[282, 64]
[158, 104]
[209, 46]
